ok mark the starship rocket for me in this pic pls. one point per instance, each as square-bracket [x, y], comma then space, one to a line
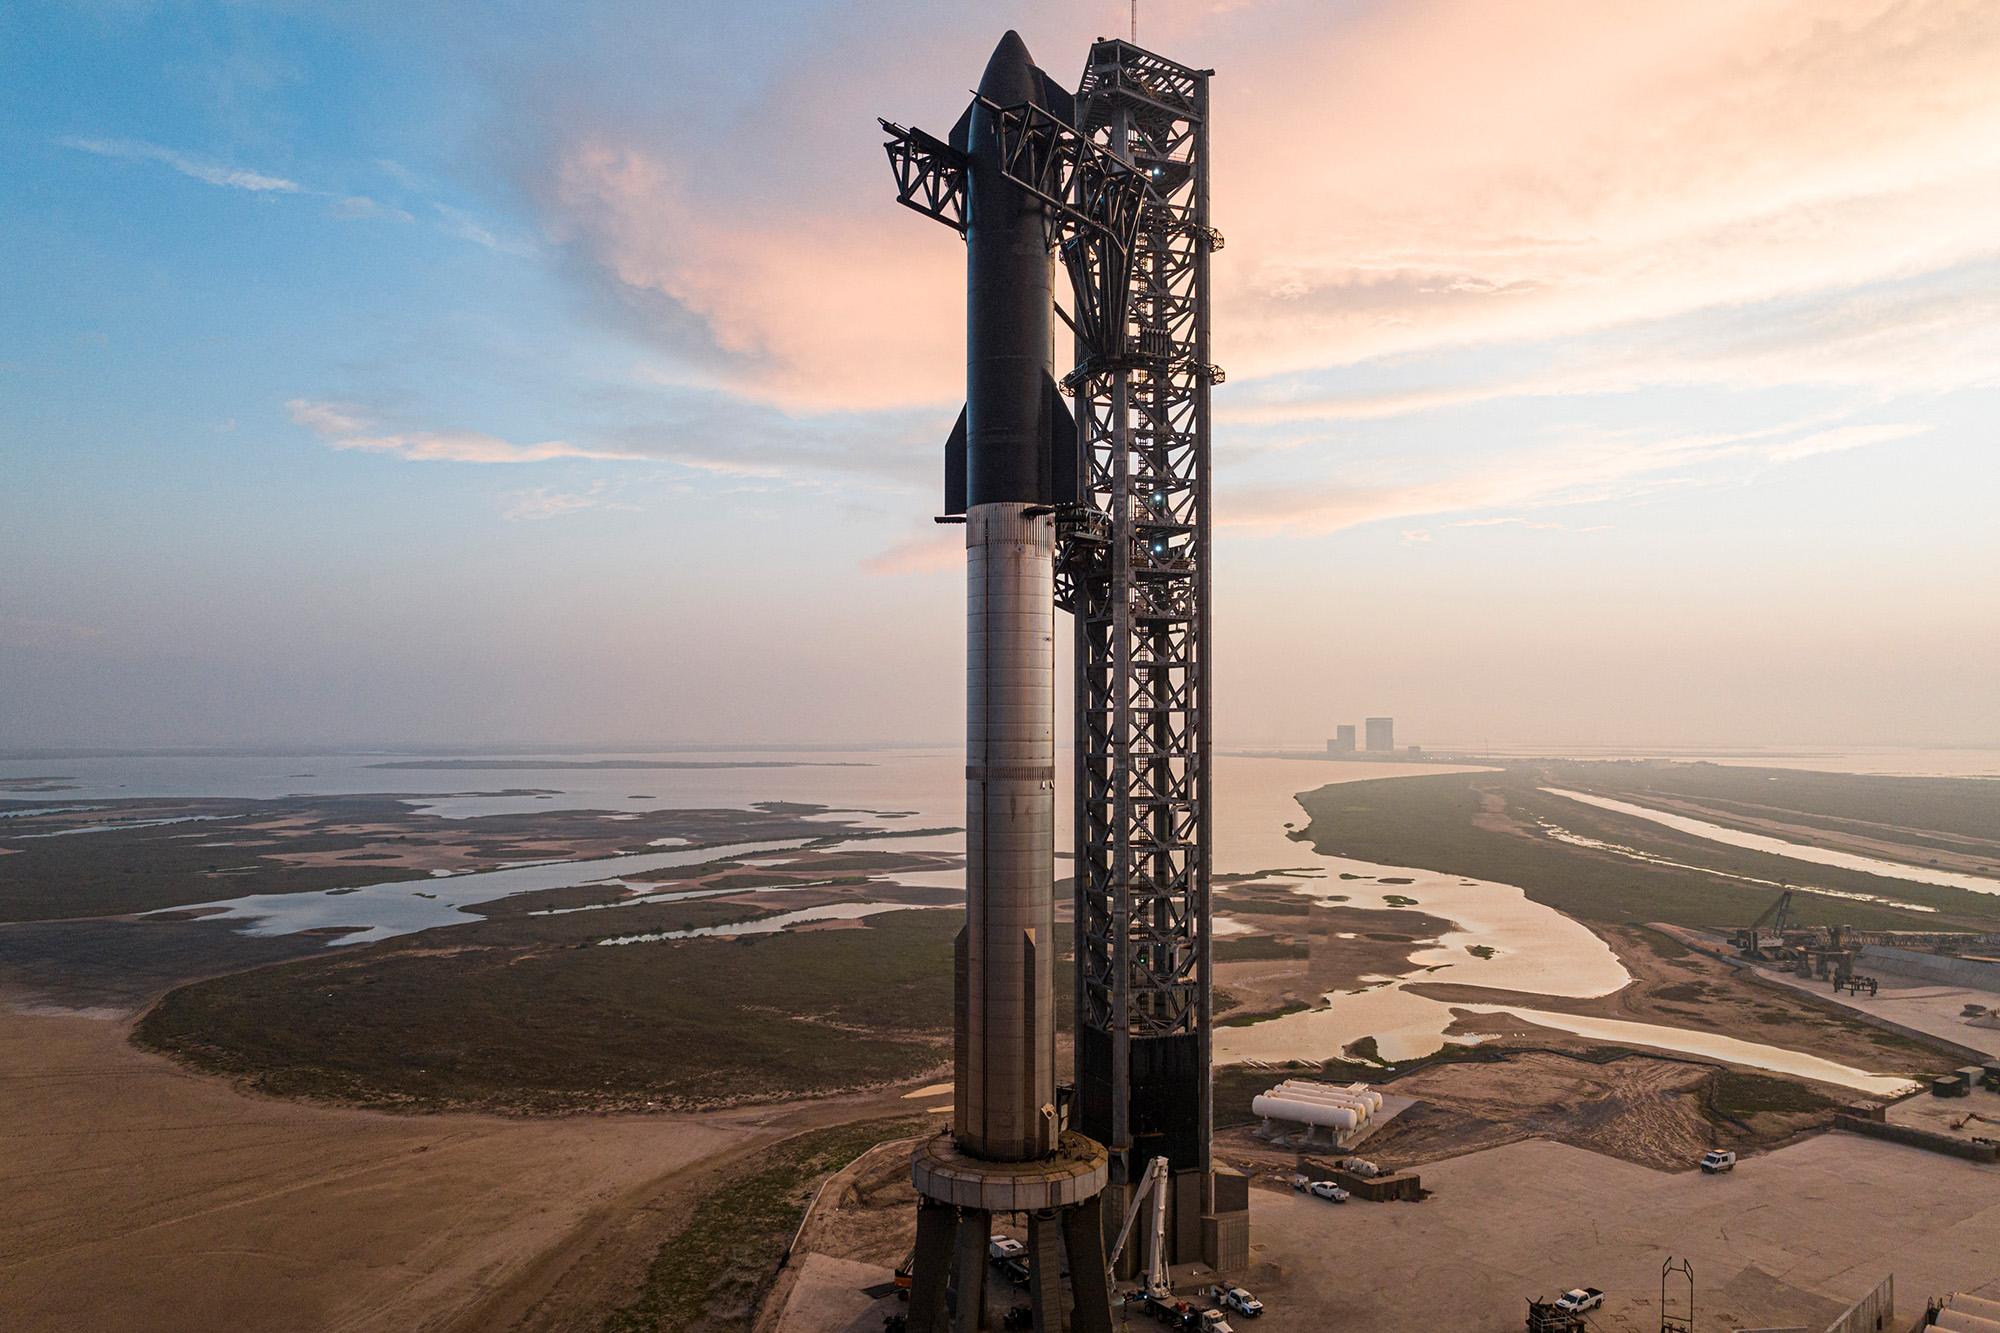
[1010, 459]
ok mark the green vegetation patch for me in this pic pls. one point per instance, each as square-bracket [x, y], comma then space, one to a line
[470, 1017]
[716, 1271]
[1245, 1020]
[1444, 823]
[1739, 1093]
[1268, 906]
[1257, 948]
[1663, 944]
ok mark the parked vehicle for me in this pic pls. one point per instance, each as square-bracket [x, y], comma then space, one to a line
[1015, 1271]
[1578, 1299]
[1002, 1248]
[1718, 1161]
[1239, 1300]
[1213, 1321]
[1301, 1183]
[1326, 1189]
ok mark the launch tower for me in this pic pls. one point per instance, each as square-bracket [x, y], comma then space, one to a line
[1104, 512]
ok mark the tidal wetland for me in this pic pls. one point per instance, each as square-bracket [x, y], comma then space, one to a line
[429, 966]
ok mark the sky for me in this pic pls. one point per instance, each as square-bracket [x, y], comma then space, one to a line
[565, 372]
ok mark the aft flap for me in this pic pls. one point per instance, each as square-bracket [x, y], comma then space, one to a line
[954, 467]
[1065, 480]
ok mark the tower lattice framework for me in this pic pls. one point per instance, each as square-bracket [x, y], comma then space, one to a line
[1134, 571]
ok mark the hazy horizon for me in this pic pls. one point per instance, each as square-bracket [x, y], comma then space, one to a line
[1596, 376]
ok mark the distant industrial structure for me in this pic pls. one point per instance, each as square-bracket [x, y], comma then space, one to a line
[1380, 737]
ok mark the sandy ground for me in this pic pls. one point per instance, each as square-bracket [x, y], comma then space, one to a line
[1975, 1116]
[1917, 1004]
[1789, 1238]
[1913, 1002]
[143, 1197]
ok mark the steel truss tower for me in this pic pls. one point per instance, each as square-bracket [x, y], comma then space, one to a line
[1134, 571]
[1120, 169]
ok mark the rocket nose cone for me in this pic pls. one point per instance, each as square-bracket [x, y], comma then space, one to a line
[1009, 78]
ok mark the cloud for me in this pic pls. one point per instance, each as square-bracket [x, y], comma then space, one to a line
[1525, 523]
[361, 206]
[1846, 437]
[540, 502]
[1572, 168]
[940, 547]
[1596, 468]
[1563, 171]
[341, 429]
[213, 173]
[807, 307]
[463, 225]
[401, 174]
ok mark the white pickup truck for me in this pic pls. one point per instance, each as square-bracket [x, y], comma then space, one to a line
[1579, 1299]
[1239, 1300]
[1718, 1161]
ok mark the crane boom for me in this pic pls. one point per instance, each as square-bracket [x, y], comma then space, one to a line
[1153, 1182]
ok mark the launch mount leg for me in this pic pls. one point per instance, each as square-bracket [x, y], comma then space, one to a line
[1044, 1272]
[1083, 1238]
[969, 1270]
[937, 1229]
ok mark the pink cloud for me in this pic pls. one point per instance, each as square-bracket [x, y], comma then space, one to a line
[930, 552]
[813, 311]
[1430, 174]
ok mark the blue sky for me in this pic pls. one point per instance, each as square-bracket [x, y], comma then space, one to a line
[378, 373]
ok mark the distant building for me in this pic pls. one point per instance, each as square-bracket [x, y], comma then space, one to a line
[1382, 734]
[1342, 742]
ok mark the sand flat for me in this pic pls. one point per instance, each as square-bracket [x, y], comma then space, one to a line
[143, 1196]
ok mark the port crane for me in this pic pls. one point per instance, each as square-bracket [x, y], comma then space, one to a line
[1777, 916]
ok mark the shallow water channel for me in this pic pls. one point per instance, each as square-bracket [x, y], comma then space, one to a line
[1797, 851]
[1535, 949]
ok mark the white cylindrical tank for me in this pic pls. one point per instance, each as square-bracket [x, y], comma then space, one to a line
[1323, 1099]
[1331, 1098]
[1359, 1091]
[1324, 1093]
[1305, 1113]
